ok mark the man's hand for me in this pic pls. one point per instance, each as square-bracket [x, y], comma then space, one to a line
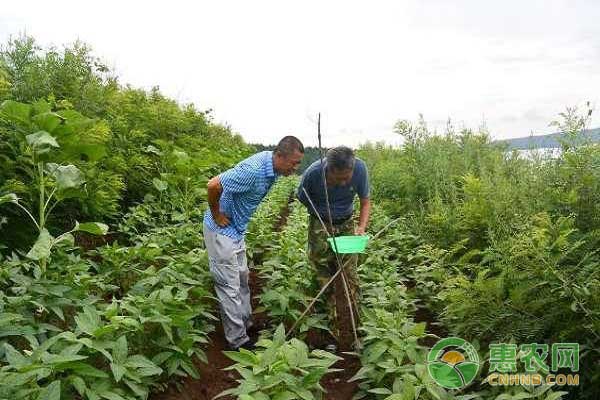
[214, 190]
[221, 219]
[363, 218]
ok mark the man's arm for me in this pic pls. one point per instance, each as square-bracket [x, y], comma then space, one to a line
[363, 219]
[234, 181]
[363, 190]
[300, 194]
[214, 190]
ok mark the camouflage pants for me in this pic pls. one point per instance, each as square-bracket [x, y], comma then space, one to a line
[324, 262]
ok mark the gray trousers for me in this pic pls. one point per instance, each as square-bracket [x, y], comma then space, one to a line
[229, 269]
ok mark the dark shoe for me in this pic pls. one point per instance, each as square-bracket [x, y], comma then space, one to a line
[249, 345]
[255, 327]
[332, 348]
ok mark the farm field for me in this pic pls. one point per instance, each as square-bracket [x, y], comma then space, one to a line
[105, 291]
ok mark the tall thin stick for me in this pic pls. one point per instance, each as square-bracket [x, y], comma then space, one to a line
[354, 303]
[351, 306]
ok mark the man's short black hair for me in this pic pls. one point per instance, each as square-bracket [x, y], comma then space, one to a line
[340, 158]
[288, 145]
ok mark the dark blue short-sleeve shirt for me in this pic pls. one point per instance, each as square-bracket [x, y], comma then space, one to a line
[340, 197]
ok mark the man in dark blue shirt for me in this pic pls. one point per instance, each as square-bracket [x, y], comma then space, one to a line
[346, 177]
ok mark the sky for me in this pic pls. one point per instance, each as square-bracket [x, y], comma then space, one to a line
[266, 68]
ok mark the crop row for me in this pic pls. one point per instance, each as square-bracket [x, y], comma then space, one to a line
[280, 368]
[112, 326]
[394, 355]
[289, 280]
[113, 323]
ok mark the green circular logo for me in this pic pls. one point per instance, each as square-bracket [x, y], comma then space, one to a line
[453, 363]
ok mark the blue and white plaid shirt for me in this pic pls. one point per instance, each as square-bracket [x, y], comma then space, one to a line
[244, 186]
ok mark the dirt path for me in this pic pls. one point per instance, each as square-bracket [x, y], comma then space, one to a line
[213, 380]
[424, 314]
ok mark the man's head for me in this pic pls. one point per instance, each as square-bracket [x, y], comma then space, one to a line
[288, 155]
[340, 165]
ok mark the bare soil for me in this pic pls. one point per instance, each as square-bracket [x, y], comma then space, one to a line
[214, 380]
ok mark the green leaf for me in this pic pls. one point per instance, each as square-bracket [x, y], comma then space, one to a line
[72, 349]
[286, 395]
[40, 106]
[160, 358]
[556, 395]
[397, 396]
[50, 392]
[279, 337]
[118, 371]
[375, 351]
[246, 358]
[14, 358]
[418, 329]
[41, 141]
[380, 391]
[96, 345]
[79, 384]
[437, 392]
[362, 373]
[139, 390]
[160, 185]
[47, 121]
[112, 310]
[65, 238]
[152, 149]
[88, 321]
[523, 396]
[314, 376]
[120, 350]
[112, 396]
[95, 228]
[92, 395]
[9, 198]
[408, 392]
[67, 176]
[190, 369]
[143, 366]
[84, 369]
[16, 112]
[305, 394]
[54, 359]
[43, 245]
[168, 330]
[94, 152]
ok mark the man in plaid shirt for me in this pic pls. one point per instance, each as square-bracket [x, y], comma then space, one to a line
[233, 196]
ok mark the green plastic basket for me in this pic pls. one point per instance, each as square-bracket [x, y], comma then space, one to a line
[349, 244]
